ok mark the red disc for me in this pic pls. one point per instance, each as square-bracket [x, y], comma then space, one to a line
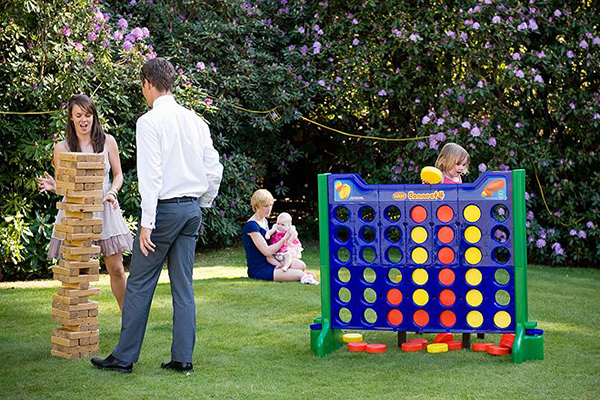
[447, 318]
[447, 297]
[357, 346]
[497, 350]
[421, 317]
[418, 214]
[422, 342]
[395, 317]
[443, 338]
[446, 255]
[412, 346]
[445, 234]
[446, 277]
[454, 345]
[394, 297]
[445, 214]
[376, 348]
[481, 346]
[507, 340]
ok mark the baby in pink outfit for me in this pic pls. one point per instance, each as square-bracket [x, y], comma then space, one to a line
[291, 249]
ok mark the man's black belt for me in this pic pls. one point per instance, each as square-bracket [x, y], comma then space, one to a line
[178, 200]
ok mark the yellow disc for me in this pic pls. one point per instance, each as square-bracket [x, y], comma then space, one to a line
[420, 297]
[437, 347]
[344, 191]
[472, 213]
[431, 175]
[474, 319]
[352, 337]
[419, 255]
[472, 234]
[338, 185]
[474, 298]
[502, 319]
[473, 277]
[420, 276]
[418, 234]
[473, 255]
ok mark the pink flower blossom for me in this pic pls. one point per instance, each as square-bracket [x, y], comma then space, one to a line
[570, 54]
[475, 132]
[538, 79]
[482, 167]
[492, 141]
[466, 125]
[123, 24]
[532, 24]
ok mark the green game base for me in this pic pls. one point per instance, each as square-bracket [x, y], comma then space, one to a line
[527, 347]
[325, 340]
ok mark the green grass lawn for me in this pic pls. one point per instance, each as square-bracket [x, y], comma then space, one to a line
[253, 343]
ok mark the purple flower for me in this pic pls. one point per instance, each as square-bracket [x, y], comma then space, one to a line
[532, 24]
[557, 13]
[316, 47]
[582, 234]
[522, 26]
[321, 82]
[291, 48]
[354, 22]
[501, 211]
[440, 137]
[301, 30]
[519, 73]
[92, 36]
[573, 232]
[482, 167]
[414, 37]
[421, 145]
[145, 32]
[540, 243]
[200, 65]
[476, 25]
[590, 224]
[127, 45]
[492, 142]
[382, 93]
[208, 101]
[151, 55]
[355, 42]
[303, 50]
[123, 24]
[496, 19]
[529, 215]
[596, 41]
[464, 36]
[475, 132]
[570, 54]
[425, 120]
[466, 125]
[538, 79]
[519, 125]
[516, 56]
[540, 54]
[440, 121]
[137, 33]
[66, 31]
[451, 34]
[572, 105]
[133, 3]
[78, 46]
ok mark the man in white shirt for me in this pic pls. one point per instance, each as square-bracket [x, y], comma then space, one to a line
[178, 172]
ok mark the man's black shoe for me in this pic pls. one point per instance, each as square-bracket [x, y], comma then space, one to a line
[112, 364]
[178, 366]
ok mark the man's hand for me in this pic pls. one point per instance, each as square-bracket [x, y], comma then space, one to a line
[146, 244]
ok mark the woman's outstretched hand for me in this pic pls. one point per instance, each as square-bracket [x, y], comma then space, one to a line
[112, 199]
[47, 183]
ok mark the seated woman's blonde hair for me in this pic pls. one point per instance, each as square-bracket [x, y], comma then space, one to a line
[261, 198]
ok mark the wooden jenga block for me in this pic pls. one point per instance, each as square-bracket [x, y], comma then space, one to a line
[76, 279]
[57, 353]
[90, 165]
[77, 243]
[79, 265]
[56, 298]
[77, 257]
[76, 285]
[79, 214]
[63, 333]
[71, 319]
[69, 185]
[70, 171]
[93, 186]
[75, 271]
[78, 236]
[76, 156]
[69, 292]
[83, 208]
[69, 250]
[80, 222]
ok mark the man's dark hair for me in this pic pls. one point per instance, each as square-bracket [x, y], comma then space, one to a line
[160, 73]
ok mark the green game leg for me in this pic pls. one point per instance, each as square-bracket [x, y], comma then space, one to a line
[328, 339]
[525, 347]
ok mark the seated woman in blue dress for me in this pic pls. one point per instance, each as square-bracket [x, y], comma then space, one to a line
[257, 249]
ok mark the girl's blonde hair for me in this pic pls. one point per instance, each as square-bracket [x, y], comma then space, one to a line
[261, 198]
[284, 218]
[451, 155]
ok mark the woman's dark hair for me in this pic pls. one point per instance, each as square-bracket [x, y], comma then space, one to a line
[98, 136]
[160, 73]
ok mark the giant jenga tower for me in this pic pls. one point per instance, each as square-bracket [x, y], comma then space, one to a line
[79, 178]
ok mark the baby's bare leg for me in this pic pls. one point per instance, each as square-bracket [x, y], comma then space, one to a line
[287, 261]
[273, 261]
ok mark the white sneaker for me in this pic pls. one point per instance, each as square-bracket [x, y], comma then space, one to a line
[308, 279]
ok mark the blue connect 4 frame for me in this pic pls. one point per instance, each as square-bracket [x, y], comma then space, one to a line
[424, 258]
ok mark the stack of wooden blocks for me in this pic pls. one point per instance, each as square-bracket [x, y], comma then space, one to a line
[79, 178]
